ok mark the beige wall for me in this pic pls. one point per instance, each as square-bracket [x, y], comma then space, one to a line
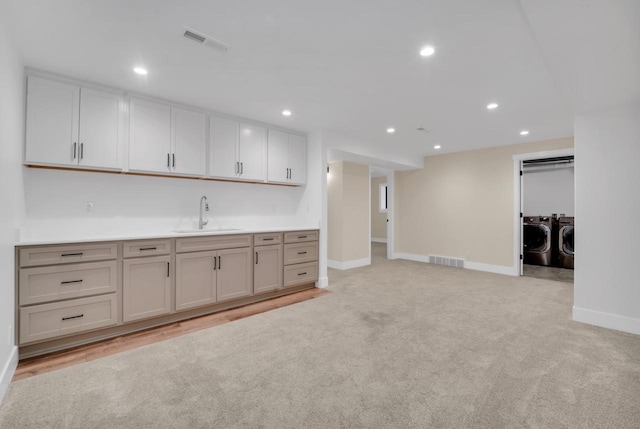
[378, 220]
[461, 205]
[348, 212]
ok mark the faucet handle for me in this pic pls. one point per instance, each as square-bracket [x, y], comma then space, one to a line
[206, 207]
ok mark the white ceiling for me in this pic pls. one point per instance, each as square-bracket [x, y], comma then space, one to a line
[350, 69]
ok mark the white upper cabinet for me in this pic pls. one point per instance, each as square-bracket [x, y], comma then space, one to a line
[100, 129]
[72, 126]
[252, 150]
[149, 137]
[237, 150]
[189, 142]
[287, 158]
[223, 147]
[165, 139]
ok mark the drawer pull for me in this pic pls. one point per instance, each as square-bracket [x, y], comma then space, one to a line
[73, 254]
[148, 248]
[302, 236]
[73, 317]
[302, 274]
[70, 281]
[267, 239]
[302, 253]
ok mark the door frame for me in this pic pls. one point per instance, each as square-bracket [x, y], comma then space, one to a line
[518, 199]
[390, 185]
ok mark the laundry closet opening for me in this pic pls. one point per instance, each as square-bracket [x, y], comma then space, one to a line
[548, 217]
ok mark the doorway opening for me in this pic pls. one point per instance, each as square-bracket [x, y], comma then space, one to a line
[381, 217]
[545, 215]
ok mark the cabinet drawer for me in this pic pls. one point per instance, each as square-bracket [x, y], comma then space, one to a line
[33, 256]
[267, 238]
[213, 242]
[300, 252]
[66, 281]
[300, 274]
[135, 249]
[44, 321]
[300, 236]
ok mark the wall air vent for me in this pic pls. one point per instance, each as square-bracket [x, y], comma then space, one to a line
[205, 40]
[443, 260]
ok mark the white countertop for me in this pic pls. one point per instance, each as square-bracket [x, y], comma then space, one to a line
[65, 233]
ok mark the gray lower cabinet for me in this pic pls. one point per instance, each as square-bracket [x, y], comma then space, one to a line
[146, 287]
[207, 277]
[267, 273]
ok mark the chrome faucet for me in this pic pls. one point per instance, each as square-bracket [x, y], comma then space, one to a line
[202, 222]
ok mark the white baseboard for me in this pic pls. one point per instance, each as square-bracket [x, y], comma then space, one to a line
[411, 257]
[347, 265]
[322, 282]
[379, 240]
[8, 370]
[606, 320]
[498, 269]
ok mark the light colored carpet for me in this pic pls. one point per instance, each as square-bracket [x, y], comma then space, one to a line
[398, 344]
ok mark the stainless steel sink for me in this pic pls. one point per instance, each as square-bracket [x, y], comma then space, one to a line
[204, 231]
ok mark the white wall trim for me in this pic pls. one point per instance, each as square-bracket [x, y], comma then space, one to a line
[489, 268]
[497, 269]
[606, 320]
[411, 257]
[347, 265]
[322, 282]
[378, 240]
[517, 197]
[8, 370]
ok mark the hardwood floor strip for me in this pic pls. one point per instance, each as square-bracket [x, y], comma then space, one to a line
[51, 362]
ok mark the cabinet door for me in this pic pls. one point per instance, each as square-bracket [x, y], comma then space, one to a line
[100, 129]
[251, 152]
[223, 143]
[297, 159]
[189, 141]
[52, 122]
[267, 273]
[150, 136]
[195, 279]
[146, 287]
[235, 273]
[277, 157]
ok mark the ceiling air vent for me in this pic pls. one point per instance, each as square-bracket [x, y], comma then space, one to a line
[205, 40]
[194, 36]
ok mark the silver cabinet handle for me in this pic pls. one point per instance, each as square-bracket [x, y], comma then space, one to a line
[148, 248]
[81, 150]
[237, 167]
[168, 160]
[74, 150]
[219, 263]
[302, 253]
[267, 239]
[168, 264]
[70, 282]
[72, 254]
[256, 258]
[302, 274]
[214, 263]
[174, 160]
[241, 168]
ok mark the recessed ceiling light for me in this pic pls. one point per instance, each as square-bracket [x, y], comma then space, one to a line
[391, 130]
[436, 147]
[524, 132]
[141, 71]
[286, 112]
[427, 51]
[492, 106]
